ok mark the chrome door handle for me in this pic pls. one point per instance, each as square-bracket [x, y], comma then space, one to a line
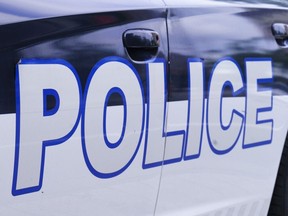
[280, 32]
[141, 44]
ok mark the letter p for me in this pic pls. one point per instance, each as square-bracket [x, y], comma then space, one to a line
[47, 113]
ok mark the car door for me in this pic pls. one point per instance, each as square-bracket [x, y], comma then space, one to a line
[226, 106]
[73, 94]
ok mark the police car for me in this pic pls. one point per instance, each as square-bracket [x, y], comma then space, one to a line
[143, 108]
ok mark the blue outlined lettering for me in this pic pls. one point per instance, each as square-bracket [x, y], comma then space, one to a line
[196, 103]
[111, 135]
[30, 117]
[157, 137]
[222, 137]
[258, 129]
[112, 74]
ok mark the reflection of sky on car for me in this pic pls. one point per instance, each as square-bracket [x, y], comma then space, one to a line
[257, 3]
[49, 8]
[217, 44]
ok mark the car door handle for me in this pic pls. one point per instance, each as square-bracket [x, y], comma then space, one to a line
[280, 32]
[141, 44]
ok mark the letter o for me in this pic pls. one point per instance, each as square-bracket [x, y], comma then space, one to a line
[107, 159]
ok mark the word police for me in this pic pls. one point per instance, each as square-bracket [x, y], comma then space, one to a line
[111, 135]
